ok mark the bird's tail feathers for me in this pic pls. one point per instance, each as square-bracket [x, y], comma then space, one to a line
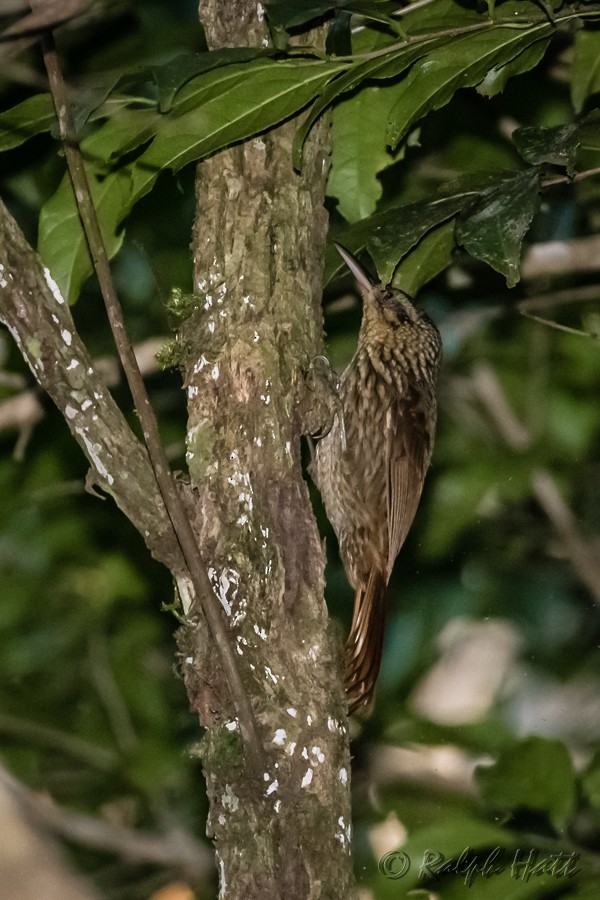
[364, 646]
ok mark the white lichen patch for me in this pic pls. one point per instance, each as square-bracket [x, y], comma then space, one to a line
[318, 753]
[308, 777]
[93, 451]
[53, 286]
[304, 753]
[232, 726]
[269, 673]
[72, 365]
[343, 775]
[199, 365]
[272, 787]
[240, 613]
[226, 584]
[228, 799]
[279, 737]
[344, 834]
[260, 632]
[70, 412]
[290, 748]
[222, 880]
[277, 806]
[186, 595]
[309, 720]
[291, 711]
[67, 337]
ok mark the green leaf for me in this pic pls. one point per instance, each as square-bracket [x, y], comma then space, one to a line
[31, 117]
[171, 76]
[427, 259]
[285, 14]
[590, 783]
[427, 849]
[557, 145]
[398, 230]
[588, 151]
[463, 62]
[388, 65]
[232, 104]
[495, 80]
[359, 151]
[210, 112]
[585, 70]
[62, 243]
[494, 229]
[535, 774]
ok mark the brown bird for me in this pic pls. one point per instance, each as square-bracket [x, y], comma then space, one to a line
[371, 465]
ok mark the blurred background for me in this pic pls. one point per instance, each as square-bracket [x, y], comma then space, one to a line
[494, 631]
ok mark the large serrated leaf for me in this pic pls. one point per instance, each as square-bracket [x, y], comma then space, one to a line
[494, 229]
[399, 230]
[359, 151]
[391, 234]
[31, 117]
[464, 62]
[535, 774]
[232, 104]
[557, 145]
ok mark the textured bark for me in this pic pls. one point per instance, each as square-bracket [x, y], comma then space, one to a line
[41, 323]
[258, 245]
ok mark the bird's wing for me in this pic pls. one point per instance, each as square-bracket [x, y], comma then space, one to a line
[408, 450]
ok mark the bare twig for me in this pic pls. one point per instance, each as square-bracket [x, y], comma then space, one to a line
[581, 552]
[41, 735]
[581, 254]
[175, 848]
[489, 390]
[172, 500]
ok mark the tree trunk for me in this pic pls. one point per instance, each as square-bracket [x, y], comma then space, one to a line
[258, 247]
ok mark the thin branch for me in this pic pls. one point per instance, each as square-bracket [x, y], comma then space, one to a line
[41, 323]
[175, 848]
[582, 554]
[33, 733]
[581, 254]
[171, 498]
[489, 390]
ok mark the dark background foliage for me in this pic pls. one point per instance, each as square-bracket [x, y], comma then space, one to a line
[492, 651]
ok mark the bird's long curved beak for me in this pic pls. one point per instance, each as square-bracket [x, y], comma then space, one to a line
[361, 276]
